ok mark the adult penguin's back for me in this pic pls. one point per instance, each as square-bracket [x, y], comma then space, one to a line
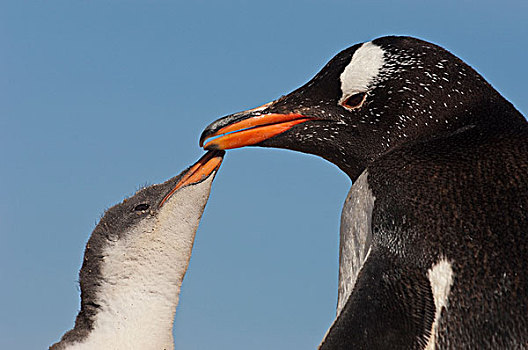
[434, 243]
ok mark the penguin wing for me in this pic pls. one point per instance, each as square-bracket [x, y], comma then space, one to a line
[391, 307]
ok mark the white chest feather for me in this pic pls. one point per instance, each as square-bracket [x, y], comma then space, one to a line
[355, 236]
[441, 279]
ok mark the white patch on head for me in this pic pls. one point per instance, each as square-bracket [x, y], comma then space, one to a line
[363, 68]
[441, 279]
[142, 275]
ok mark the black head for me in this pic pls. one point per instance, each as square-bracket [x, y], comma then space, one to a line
[368, 100]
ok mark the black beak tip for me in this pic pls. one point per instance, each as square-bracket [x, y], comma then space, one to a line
[208, 131]
[204, 136]
[212, 148]
[217, 152]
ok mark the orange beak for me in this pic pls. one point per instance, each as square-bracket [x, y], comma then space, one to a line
[249, 131]
[201, 170]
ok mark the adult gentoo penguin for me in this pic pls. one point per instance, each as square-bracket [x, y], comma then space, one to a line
[434, 232]
[135, 261]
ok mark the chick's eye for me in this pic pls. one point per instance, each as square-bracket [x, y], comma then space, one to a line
[355, 101]
[142, 207]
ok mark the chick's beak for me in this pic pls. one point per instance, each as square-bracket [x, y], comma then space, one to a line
[201, 170]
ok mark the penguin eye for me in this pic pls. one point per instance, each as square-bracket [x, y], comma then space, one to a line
[354, 101]
[142, 207]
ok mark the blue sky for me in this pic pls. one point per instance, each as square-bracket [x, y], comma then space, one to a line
[100, 97]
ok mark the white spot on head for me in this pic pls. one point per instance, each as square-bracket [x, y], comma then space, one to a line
[363, 68]
[441, 279]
